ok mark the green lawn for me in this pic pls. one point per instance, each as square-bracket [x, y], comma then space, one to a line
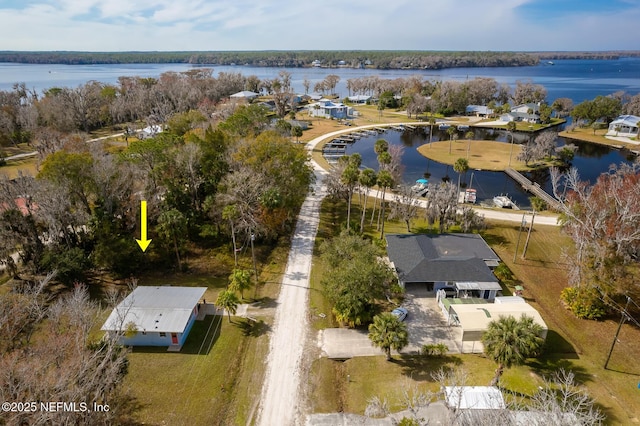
[197, 384]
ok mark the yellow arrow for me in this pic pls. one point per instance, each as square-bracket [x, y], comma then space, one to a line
[143, 242]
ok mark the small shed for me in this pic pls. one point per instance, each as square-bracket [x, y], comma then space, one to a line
[474, 398]
[155, 316]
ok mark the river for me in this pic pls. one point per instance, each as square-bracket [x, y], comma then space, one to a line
[575, 79]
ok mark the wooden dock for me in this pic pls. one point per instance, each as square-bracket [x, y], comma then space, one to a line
[533, 188]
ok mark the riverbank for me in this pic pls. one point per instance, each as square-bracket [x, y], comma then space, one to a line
[585, 134]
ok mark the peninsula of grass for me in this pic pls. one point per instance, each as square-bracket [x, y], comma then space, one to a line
[586, 134]
[481, 155]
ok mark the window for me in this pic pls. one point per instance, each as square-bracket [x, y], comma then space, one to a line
[163, 334]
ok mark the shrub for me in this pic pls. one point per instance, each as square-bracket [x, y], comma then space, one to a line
[503, 273]
[584, 302]
[439, 349]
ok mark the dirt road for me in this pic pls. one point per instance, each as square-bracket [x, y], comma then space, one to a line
[280, 404]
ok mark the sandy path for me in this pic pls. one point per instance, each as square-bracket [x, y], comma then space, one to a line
[280, 402]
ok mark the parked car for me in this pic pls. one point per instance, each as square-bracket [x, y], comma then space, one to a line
[400, 313]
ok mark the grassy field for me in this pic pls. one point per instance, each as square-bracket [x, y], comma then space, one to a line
[587, 135]
[482, 155]
[577, 345]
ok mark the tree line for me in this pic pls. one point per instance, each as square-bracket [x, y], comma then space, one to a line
[300, 58]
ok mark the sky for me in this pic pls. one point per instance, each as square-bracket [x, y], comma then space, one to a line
[196, 25]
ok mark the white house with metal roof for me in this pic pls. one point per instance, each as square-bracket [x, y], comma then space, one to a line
[155, 316]
[624, 125]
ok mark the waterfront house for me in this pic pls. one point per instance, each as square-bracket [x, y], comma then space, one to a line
[482, 111]
[329, 109]
[245, 94]
[624, 125]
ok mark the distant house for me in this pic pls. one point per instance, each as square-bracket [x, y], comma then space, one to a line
[624, 125]
[461, 262]
[329, 109]
[359, 99]
[520, 116]
[155, 316]
[149, 132]
[479, 110]
[304, 125]
[245, 94]
[529, 108]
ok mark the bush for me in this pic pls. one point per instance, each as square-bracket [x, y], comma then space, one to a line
[439, 349]
[584, 303]
[503, 273]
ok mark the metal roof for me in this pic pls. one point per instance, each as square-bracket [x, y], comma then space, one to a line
[155, 309]
[478, 317]
[474, 397]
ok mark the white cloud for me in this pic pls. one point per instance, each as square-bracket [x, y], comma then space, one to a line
[288, 24]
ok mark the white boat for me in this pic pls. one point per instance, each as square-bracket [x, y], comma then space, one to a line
[421, 187]
[443, 126]
[503, 201]
[463, 127]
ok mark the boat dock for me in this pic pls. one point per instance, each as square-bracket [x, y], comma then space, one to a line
[533, 188]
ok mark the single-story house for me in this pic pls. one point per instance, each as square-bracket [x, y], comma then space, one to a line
[478, 110]
[624, 125]
[329, 109]
[245, 94]
[463, 262]
[474, 398]
[155, 316]
[474, 319]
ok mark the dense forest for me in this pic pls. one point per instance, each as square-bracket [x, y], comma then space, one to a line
[378, 59]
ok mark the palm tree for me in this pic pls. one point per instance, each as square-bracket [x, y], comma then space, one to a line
[385, 180]
[452, 131]
[368, 179]
[432, 122]
[468, 136]
[388, 332]
[460, 166]
[350, 176]
[509, 342]
[381, 145]
[240, 280]
[511, 127]
[229, 301]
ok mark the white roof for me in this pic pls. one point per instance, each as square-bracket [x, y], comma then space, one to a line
[244, 94]
[629, 120]
[509, 299]
[477, 317]
[474, 397]
[155, 309]
[468, 285]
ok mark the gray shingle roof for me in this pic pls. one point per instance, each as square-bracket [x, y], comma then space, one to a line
[443, 257]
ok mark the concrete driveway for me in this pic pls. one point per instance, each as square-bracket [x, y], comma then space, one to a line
[425, 323]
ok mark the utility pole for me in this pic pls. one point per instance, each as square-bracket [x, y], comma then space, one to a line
[615, 338]
[522, 225]
[526, 243]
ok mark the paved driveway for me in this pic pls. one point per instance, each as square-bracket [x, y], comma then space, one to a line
[425, 323]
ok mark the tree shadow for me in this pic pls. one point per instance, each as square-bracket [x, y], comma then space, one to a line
[420, 367]
[252, 328]
[492, 239]
[264, 303]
